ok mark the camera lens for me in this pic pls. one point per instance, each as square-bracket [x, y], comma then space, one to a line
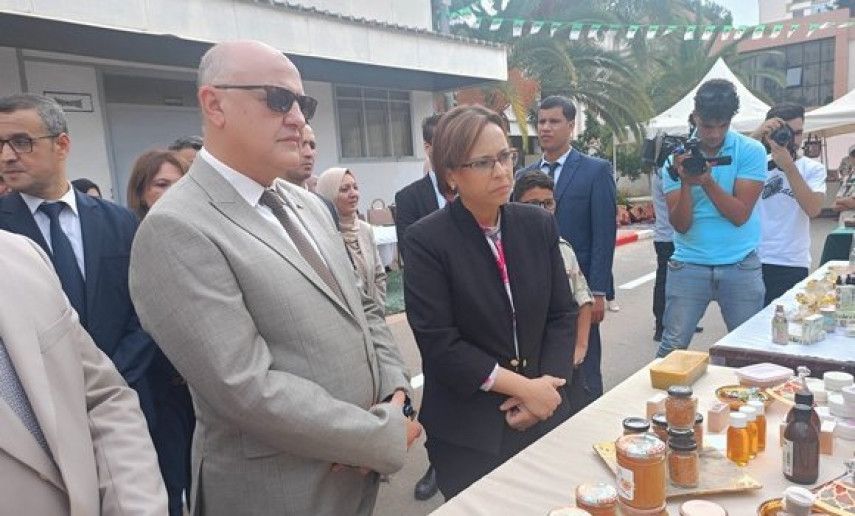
[782, 135]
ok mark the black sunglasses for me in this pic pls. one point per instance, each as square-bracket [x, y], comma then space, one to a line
[278, 99]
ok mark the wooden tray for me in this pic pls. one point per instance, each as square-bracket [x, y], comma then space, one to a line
[717, 475]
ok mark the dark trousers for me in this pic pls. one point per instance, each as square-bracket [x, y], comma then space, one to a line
[458, 467]
[172, 434]
[779, 279]
[593, 376]
[664, 250]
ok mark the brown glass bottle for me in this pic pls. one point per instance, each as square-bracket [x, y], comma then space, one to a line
[801, 447]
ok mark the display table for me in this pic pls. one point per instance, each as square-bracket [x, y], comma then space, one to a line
[837, 245]
[387, 244]
[752, 342]
[544, 475]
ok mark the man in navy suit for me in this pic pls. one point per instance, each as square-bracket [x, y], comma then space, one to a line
[87, 239]
[586, 196]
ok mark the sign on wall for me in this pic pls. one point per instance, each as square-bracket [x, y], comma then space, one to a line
[72, 102]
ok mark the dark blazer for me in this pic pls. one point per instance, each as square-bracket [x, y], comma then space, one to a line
[461, 317]
[108, 230]
[412, 203]
[587, 214]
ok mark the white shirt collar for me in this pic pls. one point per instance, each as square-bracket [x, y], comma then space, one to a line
[560, 160]
[68, 198]
[248, 188]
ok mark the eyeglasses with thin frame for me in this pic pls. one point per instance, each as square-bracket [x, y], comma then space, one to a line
[279, 99]
[23, 144]
[545, 203]
[486, 165]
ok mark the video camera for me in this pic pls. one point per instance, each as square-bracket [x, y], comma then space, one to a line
[661, 148]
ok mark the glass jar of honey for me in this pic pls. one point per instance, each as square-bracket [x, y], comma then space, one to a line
[683, 459]
[660, 426]
[641, 471]
[680, 407]
[598, 499]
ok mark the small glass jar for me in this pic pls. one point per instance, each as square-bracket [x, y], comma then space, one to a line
[659, 425]
[699, 431]
[641, 471]
[635, 425]
[598, 499]
[683, 459]
[680, 407]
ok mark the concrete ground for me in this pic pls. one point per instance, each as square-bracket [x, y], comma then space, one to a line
[627, 346]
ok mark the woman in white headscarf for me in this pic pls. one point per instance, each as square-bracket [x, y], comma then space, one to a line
[338, 185]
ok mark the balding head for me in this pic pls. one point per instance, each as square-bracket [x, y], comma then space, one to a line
[240, 129]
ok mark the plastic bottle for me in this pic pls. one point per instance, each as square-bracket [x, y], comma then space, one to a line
[753, 431]
[738, 441]
[780, 326]
[760, 407]
[801, 447]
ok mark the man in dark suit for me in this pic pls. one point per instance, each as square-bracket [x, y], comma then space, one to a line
[300, 174]
[87, 239]
[412, 203]
[586, 195]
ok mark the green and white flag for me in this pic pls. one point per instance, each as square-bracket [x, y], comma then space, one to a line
[496, 24]
[759, 30]
[709, 30]
[725, 32]
[575, 31]
[777, 29]
[670, 29]
[518, 27]
[739, 31]
[554, 29]
[594, 29]
[631, 31]
[535, 27]
[651, 31]
[690, 32]
[793, 28]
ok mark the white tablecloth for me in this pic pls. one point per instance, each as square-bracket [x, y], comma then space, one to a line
[545, 474]
[387, 243]
[755, 334]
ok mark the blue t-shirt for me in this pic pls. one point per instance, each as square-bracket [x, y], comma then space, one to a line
[712, 239]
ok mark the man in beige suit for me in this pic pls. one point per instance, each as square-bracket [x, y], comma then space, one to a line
[73, 440]
[244, 282]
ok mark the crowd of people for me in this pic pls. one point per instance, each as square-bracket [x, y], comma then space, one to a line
[222, 341]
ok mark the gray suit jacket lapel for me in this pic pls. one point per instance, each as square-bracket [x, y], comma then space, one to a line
[226, 200]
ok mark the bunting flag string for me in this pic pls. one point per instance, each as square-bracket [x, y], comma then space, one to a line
[482, 14]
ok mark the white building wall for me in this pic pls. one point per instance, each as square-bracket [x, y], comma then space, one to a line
[773, 10]
[88, 157]
[10, 78]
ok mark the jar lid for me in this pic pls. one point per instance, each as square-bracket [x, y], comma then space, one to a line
[659, 419]
[798, 497]
[597, 494]
[750, 412]
[699, 418]
[701, 508]
[681, 433]
[636, 424]
[568, 511]
[682, 439]
[640, 446]
[738, 419]
[680, 391]
[758, 405]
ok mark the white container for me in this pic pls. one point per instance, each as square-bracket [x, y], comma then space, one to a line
[836, 380]
[839, 407]
[763, 375]
[848, 395]
[845, 429]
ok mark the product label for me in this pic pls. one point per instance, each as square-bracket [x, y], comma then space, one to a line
[787, 448]
[625, 483]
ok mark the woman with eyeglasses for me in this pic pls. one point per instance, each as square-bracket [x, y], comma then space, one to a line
[339, 186]
[490, 307]
[537, 188]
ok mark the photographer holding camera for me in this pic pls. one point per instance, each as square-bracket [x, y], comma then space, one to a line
[711, 185]
[793, 194]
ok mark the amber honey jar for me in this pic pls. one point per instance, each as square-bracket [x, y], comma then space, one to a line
[659, 425]
[641, 471]
[598, 499]
[680, 407]
[683, 459]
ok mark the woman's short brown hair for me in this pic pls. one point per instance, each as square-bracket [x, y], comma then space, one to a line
[455, 135]
[145, 168]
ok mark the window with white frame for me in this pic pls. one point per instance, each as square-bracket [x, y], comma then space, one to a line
[373, 122]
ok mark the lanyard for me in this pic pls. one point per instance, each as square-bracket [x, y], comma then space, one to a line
[498, 250]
